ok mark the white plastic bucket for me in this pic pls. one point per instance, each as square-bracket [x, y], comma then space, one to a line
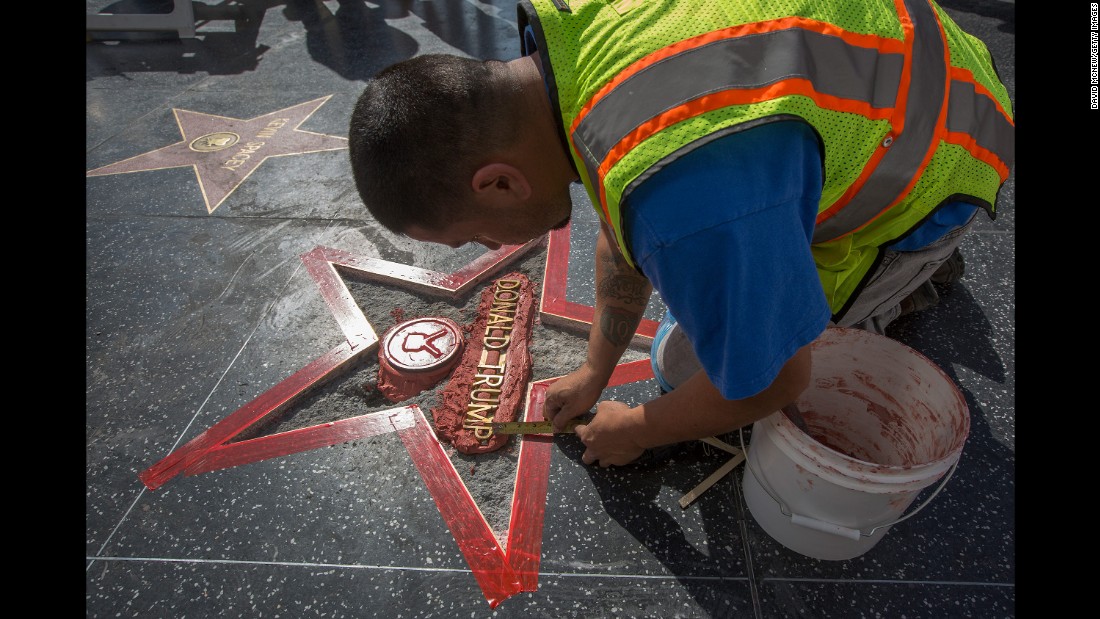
[884, 423]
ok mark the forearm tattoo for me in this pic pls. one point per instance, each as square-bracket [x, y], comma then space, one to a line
[621, 282]
[626, 289]
[618, 325]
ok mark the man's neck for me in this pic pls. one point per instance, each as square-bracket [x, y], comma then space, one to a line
[536, 102]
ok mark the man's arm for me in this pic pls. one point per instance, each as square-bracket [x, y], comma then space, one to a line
[723, 233]
[621, 298]
[619, 434]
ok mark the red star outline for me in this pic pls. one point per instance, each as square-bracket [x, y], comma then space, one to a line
[221, 171]
[499, 573]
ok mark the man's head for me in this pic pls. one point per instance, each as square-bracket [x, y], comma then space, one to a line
[441, 150]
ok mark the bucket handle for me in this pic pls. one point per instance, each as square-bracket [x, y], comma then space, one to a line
[829, 527]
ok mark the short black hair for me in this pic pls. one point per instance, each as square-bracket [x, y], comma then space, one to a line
[421, 128]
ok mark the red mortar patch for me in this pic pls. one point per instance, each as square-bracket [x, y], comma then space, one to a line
[491, 380]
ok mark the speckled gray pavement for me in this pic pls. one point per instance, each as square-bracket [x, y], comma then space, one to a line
[198, 301]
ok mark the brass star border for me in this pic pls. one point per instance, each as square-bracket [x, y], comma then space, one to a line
[225, 151]
[500, 573]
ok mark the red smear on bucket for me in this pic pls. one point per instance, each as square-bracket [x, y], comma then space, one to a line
[890, 418]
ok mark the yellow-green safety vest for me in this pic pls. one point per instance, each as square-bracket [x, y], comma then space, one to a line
[909, 109]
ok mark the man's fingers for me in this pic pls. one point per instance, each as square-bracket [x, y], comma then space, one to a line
[582, 433]
[556, 406]
[550, 407]
[589, 458]
[563, 417]
[548, 413]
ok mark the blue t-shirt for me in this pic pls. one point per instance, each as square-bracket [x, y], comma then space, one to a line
[723, 233]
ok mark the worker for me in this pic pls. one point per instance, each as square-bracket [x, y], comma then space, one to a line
[769, 168]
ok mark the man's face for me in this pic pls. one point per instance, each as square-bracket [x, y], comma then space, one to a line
[525, 222]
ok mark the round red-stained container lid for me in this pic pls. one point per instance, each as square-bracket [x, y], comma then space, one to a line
[423, 345]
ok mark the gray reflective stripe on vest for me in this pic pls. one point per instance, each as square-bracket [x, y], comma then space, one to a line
[851, 72]
[902, 161]
[978, 116]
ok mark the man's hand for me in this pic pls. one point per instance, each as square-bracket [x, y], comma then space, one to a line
[621, 297]
[608, 438]
[572, 396]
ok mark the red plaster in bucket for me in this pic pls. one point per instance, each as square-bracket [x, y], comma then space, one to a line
[884, 423]
[886, 419]
[491, 380]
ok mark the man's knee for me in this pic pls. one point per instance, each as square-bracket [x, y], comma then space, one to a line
[672, 356]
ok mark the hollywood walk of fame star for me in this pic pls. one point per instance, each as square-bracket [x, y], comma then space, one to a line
[225, 151]
[501, 571]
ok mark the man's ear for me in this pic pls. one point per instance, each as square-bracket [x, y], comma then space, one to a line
[497, 181]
